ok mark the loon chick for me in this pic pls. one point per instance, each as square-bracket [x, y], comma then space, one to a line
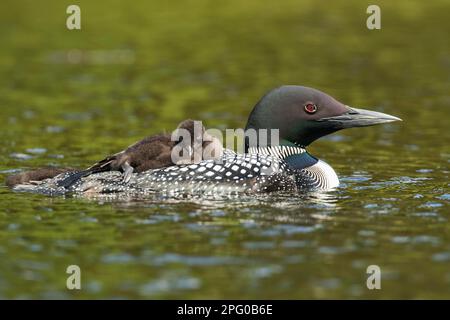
[158, 152]
[301, 115]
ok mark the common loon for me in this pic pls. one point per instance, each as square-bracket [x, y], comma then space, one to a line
[301, 115]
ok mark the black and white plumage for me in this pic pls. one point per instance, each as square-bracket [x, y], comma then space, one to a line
[234, 173]
[258, 171]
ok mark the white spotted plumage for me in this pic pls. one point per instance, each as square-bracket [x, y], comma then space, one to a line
[261, 169]
[232, 168]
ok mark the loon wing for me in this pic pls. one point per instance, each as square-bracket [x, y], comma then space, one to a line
[232, 173]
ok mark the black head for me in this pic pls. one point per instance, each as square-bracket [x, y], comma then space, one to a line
[304, 114]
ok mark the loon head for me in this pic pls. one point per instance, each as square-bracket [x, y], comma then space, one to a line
[303, 114]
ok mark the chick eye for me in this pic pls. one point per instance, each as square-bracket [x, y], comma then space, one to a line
[310, 108]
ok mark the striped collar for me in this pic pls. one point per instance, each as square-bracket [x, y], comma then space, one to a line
[279, 152]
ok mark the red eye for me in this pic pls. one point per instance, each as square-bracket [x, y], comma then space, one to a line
[310, 108]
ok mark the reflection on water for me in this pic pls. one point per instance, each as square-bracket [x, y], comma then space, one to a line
[213, 63]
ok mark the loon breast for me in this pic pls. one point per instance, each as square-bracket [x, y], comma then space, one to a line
[310, 172]
[321, 175]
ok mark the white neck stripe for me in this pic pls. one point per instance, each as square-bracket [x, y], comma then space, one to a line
[279, 152]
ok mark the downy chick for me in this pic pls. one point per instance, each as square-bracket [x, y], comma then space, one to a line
[158, 152]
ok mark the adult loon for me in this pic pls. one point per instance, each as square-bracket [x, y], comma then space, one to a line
[301, 115]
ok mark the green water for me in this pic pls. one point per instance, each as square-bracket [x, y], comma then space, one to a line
[68, 98]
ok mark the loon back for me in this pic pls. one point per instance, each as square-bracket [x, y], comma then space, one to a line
[260, 170]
